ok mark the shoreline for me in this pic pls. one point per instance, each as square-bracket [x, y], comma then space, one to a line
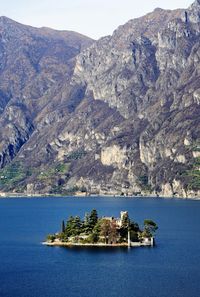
[28, 196]
[70, 244]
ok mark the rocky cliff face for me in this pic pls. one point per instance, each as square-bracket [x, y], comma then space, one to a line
[120, 115]
[33, 63]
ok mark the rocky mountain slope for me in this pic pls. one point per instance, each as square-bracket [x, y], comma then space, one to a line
[115, 116]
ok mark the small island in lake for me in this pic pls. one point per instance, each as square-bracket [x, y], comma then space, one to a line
[103, 231]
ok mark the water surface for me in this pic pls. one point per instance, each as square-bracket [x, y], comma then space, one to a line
[29, 269]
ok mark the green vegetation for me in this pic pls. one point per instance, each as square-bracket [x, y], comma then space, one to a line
[12, 174]
[150, 228]
[196, 147]
[76, 155]
[51, 238]
[58, 189]
[143, 182]
[48, 173]
[107, 230]
[192, 176]
[63, 226]
[62, 167]
[57, 177]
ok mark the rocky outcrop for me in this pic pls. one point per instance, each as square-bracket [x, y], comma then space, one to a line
[114, 156]
[115, 116]
[33, 63]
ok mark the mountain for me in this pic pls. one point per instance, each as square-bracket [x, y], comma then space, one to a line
[34, 64]
[115, 116]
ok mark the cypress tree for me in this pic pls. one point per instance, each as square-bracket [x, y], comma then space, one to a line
[63, 227]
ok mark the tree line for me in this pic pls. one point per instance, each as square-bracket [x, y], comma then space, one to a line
[93, 229]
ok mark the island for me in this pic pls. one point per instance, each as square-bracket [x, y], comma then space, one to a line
[103, 231]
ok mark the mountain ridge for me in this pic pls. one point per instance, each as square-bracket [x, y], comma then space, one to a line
[120, 116]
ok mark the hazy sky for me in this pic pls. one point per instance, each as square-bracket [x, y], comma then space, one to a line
[94, 18]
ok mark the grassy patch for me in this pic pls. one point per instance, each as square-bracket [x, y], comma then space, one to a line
[76, 155]
[46, 174]
[49, 173]
[12, 174]
[62, 168]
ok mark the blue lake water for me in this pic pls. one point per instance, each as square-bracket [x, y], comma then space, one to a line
[29, 269]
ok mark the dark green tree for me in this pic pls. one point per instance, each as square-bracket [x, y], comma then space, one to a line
[69, 226]
[93, 219]
[94, 237]
[124, 227]
[78, 226]
[150, 228]
[51, 237]
[63, 227]
[62, 236]
[125, 221]
[134, 226]
[86, 224]
[74, 226]
[134, 236]
[97, 227]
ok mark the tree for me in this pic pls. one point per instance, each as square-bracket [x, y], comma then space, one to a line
[125, 226]
[125, 221]
[105, 229]
[77, 225]
[74, 226]
[134, 226]
[150, 228]
[97, 227]
[86, 224]
[93, 219]
[108, 230]
[62, 236]
[69, 226]
[94, 237]
[51, 237]
[112, 234]
[63, 227]
[95, 233]
[134, 236]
